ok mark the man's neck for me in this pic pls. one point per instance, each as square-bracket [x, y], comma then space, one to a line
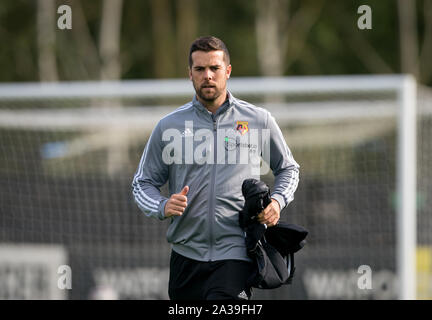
[214, 105]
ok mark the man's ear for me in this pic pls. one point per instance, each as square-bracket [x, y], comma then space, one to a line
[190, 73]
[228, 71]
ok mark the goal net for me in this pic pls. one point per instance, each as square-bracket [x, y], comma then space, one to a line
[68, 153]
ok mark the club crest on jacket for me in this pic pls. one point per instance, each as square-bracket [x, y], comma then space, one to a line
[242, 127]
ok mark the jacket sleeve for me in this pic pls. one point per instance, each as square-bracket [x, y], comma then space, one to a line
[152, 173]
[285, 169]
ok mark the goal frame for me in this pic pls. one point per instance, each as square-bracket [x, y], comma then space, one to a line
[404, 86]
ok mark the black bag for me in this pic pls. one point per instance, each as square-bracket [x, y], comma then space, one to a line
[272, 269]
[272, 248]
[274, 255]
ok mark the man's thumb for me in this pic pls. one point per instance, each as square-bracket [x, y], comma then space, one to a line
[184, 191]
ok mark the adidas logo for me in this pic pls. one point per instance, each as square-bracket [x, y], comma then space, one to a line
[187, 133]
[243, 295]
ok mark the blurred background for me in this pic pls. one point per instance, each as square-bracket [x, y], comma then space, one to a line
[78, 104]
[133, 39]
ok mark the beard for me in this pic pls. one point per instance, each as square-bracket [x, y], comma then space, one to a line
[207, 93]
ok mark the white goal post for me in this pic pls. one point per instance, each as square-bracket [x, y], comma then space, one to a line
[404, 87]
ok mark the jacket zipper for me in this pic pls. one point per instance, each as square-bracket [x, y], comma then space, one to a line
[212, 191]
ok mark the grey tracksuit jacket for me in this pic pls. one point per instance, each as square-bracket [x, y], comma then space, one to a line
[212, 154]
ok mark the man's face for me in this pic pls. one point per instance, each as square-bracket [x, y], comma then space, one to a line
[209, 74]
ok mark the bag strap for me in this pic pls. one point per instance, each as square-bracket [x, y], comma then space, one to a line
[292, 267]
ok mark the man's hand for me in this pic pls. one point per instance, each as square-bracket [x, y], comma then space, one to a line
[177, 203]
[270, 215]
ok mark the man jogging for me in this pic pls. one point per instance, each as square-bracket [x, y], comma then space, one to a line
[205, 150]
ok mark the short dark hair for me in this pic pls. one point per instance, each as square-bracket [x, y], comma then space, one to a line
[207, 44]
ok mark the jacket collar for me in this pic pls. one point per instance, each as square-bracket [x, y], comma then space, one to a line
[229, 102]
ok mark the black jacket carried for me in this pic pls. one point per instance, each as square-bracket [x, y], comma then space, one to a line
[271, 248]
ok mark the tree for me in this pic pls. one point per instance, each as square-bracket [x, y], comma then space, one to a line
[109, 39]
[271, 21]
[163, 39]
[186, 25]
[426, 49]
[282, 32]
[109, 50]
[408, 37]
[46, 24]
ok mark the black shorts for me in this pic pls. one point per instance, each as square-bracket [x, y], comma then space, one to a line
[214, 280]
